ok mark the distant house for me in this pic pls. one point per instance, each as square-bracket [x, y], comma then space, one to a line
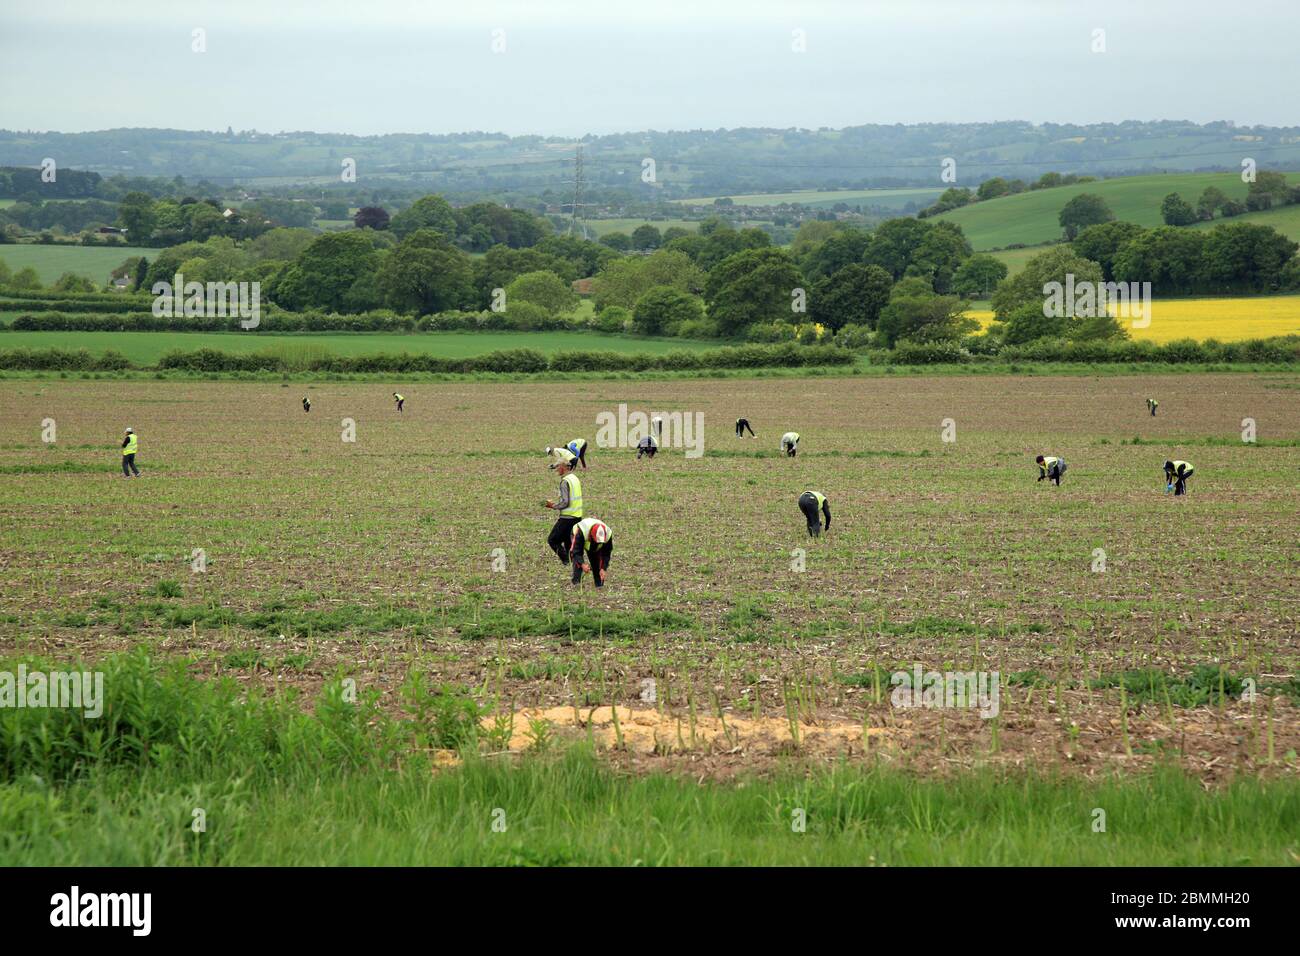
[122, 284]
[111, 231]
[582, 286]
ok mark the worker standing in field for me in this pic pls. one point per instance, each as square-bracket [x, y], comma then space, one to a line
[569, 505]
[590, 548]
[647, 446]
[1051, 468]
[1176, 475]
[306, 404]
[1152, 404]
[400, 400]
[814, 505]
[130, 444]
[741, 425]
[790, 443]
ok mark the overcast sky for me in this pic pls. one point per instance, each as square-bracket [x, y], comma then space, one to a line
[571, 67]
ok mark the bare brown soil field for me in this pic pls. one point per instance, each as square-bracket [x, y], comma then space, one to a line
[375, 557]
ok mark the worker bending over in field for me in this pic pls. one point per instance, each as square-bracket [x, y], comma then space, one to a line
[741, 425]
[1153, 405]
[813, 504]
[306, 404]
[790, 443]
[1176, 475]
[1051, 468]
[577, 448]
[590, 547]
[647, 446]
[129, 446]
[400, 400]
[569, 505]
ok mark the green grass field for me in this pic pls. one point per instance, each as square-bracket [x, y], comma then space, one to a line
[891, 198]
[51, 261]
[148, 347]
[1031, 217]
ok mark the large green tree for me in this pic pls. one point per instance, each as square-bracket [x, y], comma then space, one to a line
[853, 295]
[978, 276]
[1083, 210]
[1030, 285]
[426, 274]
[753, 286]
[624, 280]
[427, 212]
[1102, 243]
[662, 309]
[324, 272]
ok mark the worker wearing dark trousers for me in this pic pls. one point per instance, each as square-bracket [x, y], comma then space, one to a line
[129, 446]
[1176, 475]
[813, 504]
[306, 404]
[647, 446]
[591, 546]
[1051, 468]
[400, 400]
[742, 424]
[569, 505]
[1153, 405]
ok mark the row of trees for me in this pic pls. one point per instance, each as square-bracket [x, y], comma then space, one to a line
[996, 187]
[1268, 190]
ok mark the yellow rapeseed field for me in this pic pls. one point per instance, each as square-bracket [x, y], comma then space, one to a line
[1225, 319]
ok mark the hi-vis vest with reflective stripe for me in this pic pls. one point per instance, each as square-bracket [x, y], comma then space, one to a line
[577, 445]
[129, 447]
[789, 438]
[594, 531]
[574, 510]
[1049, 462]
[821, 498]
[1187, 466]
[398, 398]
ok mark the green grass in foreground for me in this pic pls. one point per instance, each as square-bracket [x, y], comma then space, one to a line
[346, 784]
[145, 348]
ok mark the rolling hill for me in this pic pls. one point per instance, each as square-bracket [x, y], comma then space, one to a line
[1031, 218]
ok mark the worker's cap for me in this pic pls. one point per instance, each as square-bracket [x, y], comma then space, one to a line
[130, 430]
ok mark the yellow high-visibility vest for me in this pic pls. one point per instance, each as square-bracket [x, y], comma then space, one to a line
[821, 499]
[1048, 462]
[129, 447]
[1186, 466]
[574, 510]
